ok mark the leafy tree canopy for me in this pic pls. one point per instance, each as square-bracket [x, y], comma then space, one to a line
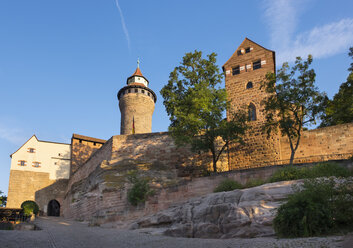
[294, 101]
[339, 110]
[3, 199]
[196, 105]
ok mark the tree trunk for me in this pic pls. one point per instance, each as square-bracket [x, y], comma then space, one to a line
[291, 157]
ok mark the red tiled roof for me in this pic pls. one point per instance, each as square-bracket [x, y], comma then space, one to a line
[137, 72]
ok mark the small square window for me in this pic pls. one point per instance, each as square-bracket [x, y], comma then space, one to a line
[22, 163]
[256, 65]
[31, 150]
[94, 143]
[136, 90]
[143, 91]
[36, 164]
[247, 50]
[129, 91]
[59, 154]
[236, 70]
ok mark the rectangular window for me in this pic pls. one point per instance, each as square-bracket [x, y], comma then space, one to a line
[136, 90]
[22, 163]
[256, 65]
[36, 164]
[31, 150]
[247, 50]
[143, 91]
[236, 70]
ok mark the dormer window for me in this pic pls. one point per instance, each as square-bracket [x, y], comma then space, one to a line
[236, 70]
[256, 65]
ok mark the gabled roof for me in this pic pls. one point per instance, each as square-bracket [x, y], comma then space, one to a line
[241, 45]
[37, 141]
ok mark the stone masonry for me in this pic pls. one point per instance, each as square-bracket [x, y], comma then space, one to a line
[245, 70]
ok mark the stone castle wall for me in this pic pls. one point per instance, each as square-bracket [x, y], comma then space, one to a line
[24, 184]
[322, 144]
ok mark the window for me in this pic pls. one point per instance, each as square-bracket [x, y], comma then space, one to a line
[31, 150]
[80, 141]
[247, 50]
[148, 94]
[143, 91]
[22, 163]
[36, 164]
[94, 143]
[239, 52]
[252, 112]
[59, 154]
[249, 85]
[136, 90]
[236, 70]
[256, 65]
[129, 91]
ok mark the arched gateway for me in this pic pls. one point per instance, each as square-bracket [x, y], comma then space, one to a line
[53, 208]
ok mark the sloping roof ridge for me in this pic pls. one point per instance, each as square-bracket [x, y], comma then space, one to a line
[246, 38]
[24, 144]
[83, 137]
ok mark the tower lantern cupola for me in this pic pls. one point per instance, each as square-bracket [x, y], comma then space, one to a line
[136, 103]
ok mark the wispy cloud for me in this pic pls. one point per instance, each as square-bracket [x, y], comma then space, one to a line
[322, 41]
[126, 31]
[12, 135]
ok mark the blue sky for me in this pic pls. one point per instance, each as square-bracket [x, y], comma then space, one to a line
[62, 62]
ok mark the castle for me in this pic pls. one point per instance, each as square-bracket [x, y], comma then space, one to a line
[87, 179]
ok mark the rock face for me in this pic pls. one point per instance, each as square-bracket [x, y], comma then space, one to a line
[242, 213]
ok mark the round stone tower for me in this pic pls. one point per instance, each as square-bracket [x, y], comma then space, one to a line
[136, 103]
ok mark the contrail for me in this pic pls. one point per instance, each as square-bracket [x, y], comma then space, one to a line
[126, 32]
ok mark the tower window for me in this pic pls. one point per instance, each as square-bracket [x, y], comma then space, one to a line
[148, 94]
[136, 90]
[236, 70]
[143, 91]
[247, 50]
[129, 91]
[22, 163]
[252, 112]
[249, 85]
[256, 65]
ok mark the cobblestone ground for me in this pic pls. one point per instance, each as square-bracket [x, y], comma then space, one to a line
[58, 232]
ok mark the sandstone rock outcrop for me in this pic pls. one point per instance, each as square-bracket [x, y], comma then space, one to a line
[240, 213]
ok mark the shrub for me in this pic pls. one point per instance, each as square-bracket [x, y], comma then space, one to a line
[30, 207]
[254, 182]
[319, 208]
[319, 170]
[228, 185]
[286, 174]
[140, 189]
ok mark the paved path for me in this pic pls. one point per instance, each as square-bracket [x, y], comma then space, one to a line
[59, 233]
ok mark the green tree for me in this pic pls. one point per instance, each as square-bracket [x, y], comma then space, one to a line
[339, 110]
[293, 103]
[3, 199]
[196, 105]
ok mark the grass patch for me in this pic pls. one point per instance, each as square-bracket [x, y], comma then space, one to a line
[228, 185]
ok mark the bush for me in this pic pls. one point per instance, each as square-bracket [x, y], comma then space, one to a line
[319, 170]
[30, 207]
[253, 183]
[228, 185]
[319, 208]
[140, 189]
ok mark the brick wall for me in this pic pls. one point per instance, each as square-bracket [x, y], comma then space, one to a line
[322, 144]
[82, 147]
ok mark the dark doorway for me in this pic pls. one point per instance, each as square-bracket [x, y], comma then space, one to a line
[53, 208]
